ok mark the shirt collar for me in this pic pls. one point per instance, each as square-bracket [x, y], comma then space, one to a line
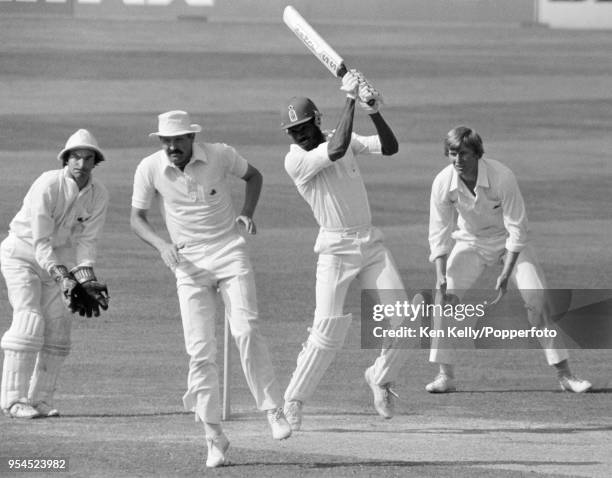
[483, 174]
[198, 154]
[482, 179]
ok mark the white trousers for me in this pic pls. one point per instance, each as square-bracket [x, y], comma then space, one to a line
[202, 274]
[344, 257]
[465, 264]
[38, 339]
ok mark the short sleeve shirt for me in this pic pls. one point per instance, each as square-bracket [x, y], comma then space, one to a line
[334, 190]
[195, 203]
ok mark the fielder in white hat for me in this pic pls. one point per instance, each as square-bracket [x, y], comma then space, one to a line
[175, 123]
[81, 139]
[208, 255]
[47, 262]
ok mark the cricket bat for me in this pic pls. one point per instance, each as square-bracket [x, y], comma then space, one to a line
[314, 42]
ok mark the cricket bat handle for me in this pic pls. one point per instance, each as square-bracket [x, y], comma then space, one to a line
[343, 70]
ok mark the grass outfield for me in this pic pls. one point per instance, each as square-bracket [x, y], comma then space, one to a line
[541, 100]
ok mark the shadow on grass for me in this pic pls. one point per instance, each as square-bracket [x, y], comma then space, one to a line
[525, 390]
[600, 390]
[468, 431]
[125, 415]
[407, 464]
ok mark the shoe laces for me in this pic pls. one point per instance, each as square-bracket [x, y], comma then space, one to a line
[275, 414]
[294, 406]
[388, 392]
[19, 406]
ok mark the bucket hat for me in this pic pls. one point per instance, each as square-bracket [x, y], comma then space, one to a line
[175, 123]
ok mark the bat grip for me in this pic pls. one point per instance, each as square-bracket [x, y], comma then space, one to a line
[343, 71]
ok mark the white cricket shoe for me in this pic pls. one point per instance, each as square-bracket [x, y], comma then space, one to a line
[574, 384]
[293, 414]
[383, 396]
[278, 423]
[217, 448]
[441, 384]
[21, 410]
[46, 410]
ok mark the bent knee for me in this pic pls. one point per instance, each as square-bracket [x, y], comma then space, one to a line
[329, 332]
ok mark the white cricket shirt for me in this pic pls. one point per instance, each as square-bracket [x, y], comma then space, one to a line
[495, 213]
[334, 190]
[56, 214]
[195, 203]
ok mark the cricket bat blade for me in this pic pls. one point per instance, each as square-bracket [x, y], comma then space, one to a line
[314, 42]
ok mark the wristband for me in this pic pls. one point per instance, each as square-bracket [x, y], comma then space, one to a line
[83, 274]
[58, 272]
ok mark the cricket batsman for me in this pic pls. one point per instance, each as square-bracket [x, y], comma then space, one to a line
[476, 203]
[326, 173]
[47, 262]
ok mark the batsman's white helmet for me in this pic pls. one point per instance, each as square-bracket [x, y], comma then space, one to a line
[298, 110]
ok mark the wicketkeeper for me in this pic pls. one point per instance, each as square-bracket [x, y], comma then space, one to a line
[326, 174]
[47, 262]
[478, 219]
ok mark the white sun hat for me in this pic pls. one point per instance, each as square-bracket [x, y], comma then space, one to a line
[175, 123]
[81, 139]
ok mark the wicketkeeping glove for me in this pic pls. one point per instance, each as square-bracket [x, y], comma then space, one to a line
[69, 287]
[96, 293]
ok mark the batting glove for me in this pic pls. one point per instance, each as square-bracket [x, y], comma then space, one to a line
[350, 84]
[370, 98]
